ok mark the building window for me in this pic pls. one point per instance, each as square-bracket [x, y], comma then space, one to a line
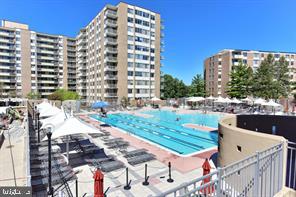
[130, 20]
[130, 91]
[152, 17]
[129, 10]
[130, 73]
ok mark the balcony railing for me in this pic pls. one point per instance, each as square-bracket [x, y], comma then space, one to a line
[110, 41]
[110, 68]
[110, 77]
[110, 23]
[110, 50]
[111, 14]
[260, 174]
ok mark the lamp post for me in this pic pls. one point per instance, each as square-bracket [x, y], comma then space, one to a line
[50, 189]
[38, 126]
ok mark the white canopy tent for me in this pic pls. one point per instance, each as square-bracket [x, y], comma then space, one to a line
[227, 100]
[50, 111]
[220, 100]
[55, 120]
[235, 101]
[69, 127]
[155, 99]
[210, 98]
[195, 99]
[271, 103]
[45, 104]
[259, 101]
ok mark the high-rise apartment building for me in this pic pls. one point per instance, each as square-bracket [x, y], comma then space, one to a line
[120, 52]
[116, 55]
[218, 67]
[32, 61]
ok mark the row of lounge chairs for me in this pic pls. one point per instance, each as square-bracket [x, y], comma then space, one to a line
[138, 156]
[61, 172]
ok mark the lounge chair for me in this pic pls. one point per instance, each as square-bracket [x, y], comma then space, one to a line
[140, 159]
[119, 144]
[113, 140]
[135, 153]
[109, 166]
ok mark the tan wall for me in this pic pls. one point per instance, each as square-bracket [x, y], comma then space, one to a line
[14, 25]
[65, 64]
[122, 50]
[25, 62]
[157, 55]
[249, 141]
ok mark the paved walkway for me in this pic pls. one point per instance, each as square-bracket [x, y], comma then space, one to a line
[12, 156]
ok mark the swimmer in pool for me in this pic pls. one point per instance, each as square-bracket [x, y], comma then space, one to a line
[177, 119]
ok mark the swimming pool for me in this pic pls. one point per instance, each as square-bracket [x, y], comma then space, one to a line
[163, 131]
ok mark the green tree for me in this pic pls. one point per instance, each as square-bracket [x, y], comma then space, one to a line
[281, 79]
[240, 82]
[169, 90]
[197, 87]
[182, 89]
[33, 95]
[264, 79]
[63, 95]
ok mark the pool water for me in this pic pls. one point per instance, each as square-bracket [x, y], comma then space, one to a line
[162, 129]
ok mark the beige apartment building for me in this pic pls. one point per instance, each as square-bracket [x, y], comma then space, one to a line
[116, 55]
[32, 61]
[119, 54]
[218, 67]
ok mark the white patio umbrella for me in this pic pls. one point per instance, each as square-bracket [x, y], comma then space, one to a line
[155, 99]
[227, 100]
[235, 101]
[196, 99]
[69, 127]
[44, 105]
[247, 100]
[51, 111]
[210, 98]
[220, 100]
[259, 101]
[271, 103]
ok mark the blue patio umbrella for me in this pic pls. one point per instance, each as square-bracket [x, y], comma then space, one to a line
[99, 104]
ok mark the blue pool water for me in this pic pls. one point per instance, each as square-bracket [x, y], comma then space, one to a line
[163, 129]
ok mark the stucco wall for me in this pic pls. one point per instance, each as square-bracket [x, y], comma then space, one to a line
[232, 137]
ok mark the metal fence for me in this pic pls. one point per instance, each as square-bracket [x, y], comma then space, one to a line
[258, 175]
[291, 166]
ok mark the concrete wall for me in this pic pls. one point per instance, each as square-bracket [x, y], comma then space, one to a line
[231, 138]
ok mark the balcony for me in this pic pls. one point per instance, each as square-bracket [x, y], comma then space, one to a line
[110, 23]
[7, 54]
[51, 46]
[7, 34]
[110, 59]
[110, 77]
[45, 51]
[7, 60]
[11, 47]
[110, 50]
[81, 48]
[110, 32]
[110, 68]
[108, 95]
[110, 14]
[110, 86]
[53, 40]
[110, 41]
[3, 40]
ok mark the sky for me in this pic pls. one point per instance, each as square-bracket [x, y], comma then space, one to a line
[194, 29]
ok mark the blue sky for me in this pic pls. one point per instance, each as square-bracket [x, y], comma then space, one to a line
[194, 29]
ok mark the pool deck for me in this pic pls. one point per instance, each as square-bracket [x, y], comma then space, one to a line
[179, 163]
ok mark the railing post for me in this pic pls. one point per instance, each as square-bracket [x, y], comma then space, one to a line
[256, 176]
[219, 177]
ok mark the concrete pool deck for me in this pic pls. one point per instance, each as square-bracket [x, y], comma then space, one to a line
[179, 163]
